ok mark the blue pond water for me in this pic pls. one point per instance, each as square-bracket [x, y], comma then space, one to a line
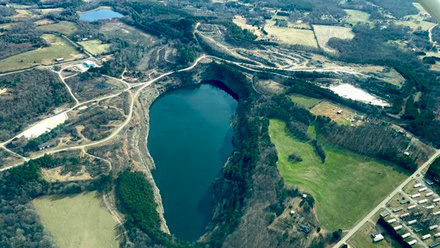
[99, 14]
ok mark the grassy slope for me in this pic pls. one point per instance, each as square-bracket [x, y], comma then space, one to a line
[306, 102]
[77, 221]
[346, 187]
[95, 47]
[63, 27]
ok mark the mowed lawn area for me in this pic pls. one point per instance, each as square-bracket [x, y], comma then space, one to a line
[346, 187]
[58, 48]
[95, 47]
[306, 102]
[77, 221]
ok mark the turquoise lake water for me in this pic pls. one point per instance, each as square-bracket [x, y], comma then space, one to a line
[190, 140]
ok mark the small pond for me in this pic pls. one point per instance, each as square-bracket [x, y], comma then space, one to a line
[99, 14]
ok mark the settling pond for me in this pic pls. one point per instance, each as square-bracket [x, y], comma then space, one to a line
[190, 140]
[99, 14]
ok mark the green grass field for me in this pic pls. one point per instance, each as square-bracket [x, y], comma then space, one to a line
[307, 102]
[363, 239]
[346, 187]
[63, 27]
[94, 47]
[77, 221]
[59, 48]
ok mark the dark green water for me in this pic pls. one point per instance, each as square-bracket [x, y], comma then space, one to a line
[190, 140]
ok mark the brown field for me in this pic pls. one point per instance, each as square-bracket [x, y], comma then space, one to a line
[292, 36]
[330, 110]
[241, 22]
[117, 29]
[54, 175]
[42, 22]
[325, 33]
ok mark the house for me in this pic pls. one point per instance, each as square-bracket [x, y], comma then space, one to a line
[437, 235]
[412, 222]
[404, 201]
[436, 199]
[377, 237]
[435, 244]
[416, 195]
[412, 206]
[339, 112]
[412, 242]
[429, 194]
[406, 235]
[430, 207]
[404, 215]
[385, 214]
[304, 228]
[426, 236]
[429, 182]
[59, 60]
[391, 221]
[423, 189]
[433, 227]
[423, 201]
[397, 210]
[398, 227]
[417, 185]
[436, 213]
[418, 229]
[406, 153]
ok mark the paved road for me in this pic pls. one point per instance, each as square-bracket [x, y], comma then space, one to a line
[416, 174]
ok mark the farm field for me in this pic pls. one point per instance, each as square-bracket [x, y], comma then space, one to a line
[346, 187]
[293, 36]
[22, 14]
[416, 22]
[356, 16]
[59, 48]
[95, 47]
[77, 221]
[307, 102]
[63, 27]
[324, 33]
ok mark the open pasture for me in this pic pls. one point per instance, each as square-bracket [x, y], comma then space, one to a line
[77, 220]
[58, 48]
[346, 187]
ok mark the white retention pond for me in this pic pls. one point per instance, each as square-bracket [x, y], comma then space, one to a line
[351, 92]
[44, 126]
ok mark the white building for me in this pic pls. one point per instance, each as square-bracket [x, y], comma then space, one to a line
[391, 221]
[398, 227]
[406, 235]
[412, 206]
[412, 242]
[427, 236]
[416, 195]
